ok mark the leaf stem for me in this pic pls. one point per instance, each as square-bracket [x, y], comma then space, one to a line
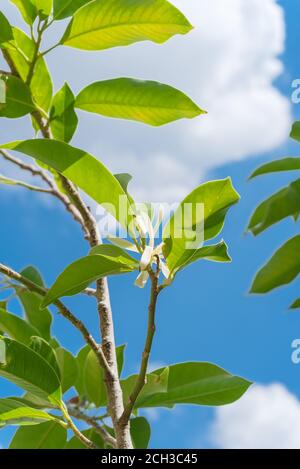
[88, 443]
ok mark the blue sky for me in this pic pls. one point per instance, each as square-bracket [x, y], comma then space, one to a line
[207, 315]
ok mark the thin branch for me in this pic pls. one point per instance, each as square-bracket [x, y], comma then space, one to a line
[88, 443]
[142, 376]
[77, 414]
[90, 292]
[65, 312]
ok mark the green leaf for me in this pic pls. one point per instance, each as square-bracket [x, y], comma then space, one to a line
[281, 269]
[68, 368]
[156, 383]
[27, 9]
[81, 273]
[213, 200]
[44, 7]
[75, 443]
[30, 371]
[197, 383]
[49, 435]
[41, 84]
[41, 347]
[14, 412]
[81, 358]
[18, 99]
[124, 179]
[63, 118]
[6, 33]
[64, 8]
[15, 327]
[295, 132]
[82, 169]
[145, 101]
[93, 377]
[40, 319]
[15, 182]
[280, 205]
[103, 24]
[140, 432]
[296, 304]
[116, 253]
[215, 253]
[285, 164]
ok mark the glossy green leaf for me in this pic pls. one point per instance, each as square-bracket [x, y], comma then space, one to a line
[18, 99]
[115, 253]
[215, 253]
[42, 348]
[64, 8]
[197, 383]
[43, 7]
[63, 118]
[6, 33]
[145, 101]
[27, 9]
[40, 319]
[79, 275]
[75, 443]
[285, 164]
[68, 368]
[81, 358]
[103, 24]
[281, 269]
[283, 204]
[30, 371]
[140, 432]
[14, 412]
[124, 179]
[16, 328]
[82, 169]
[49, 435]
[93, 377]
[41, 83]
[295, 132]
[213, 200]
[156, 383]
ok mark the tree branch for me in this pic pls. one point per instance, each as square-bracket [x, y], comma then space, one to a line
[107, 438]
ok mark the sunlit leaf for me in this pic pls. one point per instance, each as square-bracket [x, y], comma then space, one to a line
[41, 83]
[295, 132]
[283, 204]
[27, 9]
[30, 371]
[42, 348]
[14, 412]
[145, 101]
[49, 435]
[81, 273]
[18, 99]
[82, 169]
[15, 327]
[285, 164]
[102, 24]
[203, 211]
[281, 269]
[63, 118]
[6, 33]
[197, 383]
[64, 8]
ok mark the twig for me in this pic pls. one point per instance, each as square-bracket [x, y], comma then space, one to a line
[90, 292]
[88, 443]
[77, 414]
[141, 379]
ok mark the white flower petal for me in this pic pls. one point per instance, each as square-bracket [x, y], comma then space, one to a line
[123, 243]
[142, 279]
[146, 257]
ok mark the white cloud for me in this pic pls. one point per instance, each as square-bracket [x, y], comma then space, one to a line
[266, 417]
